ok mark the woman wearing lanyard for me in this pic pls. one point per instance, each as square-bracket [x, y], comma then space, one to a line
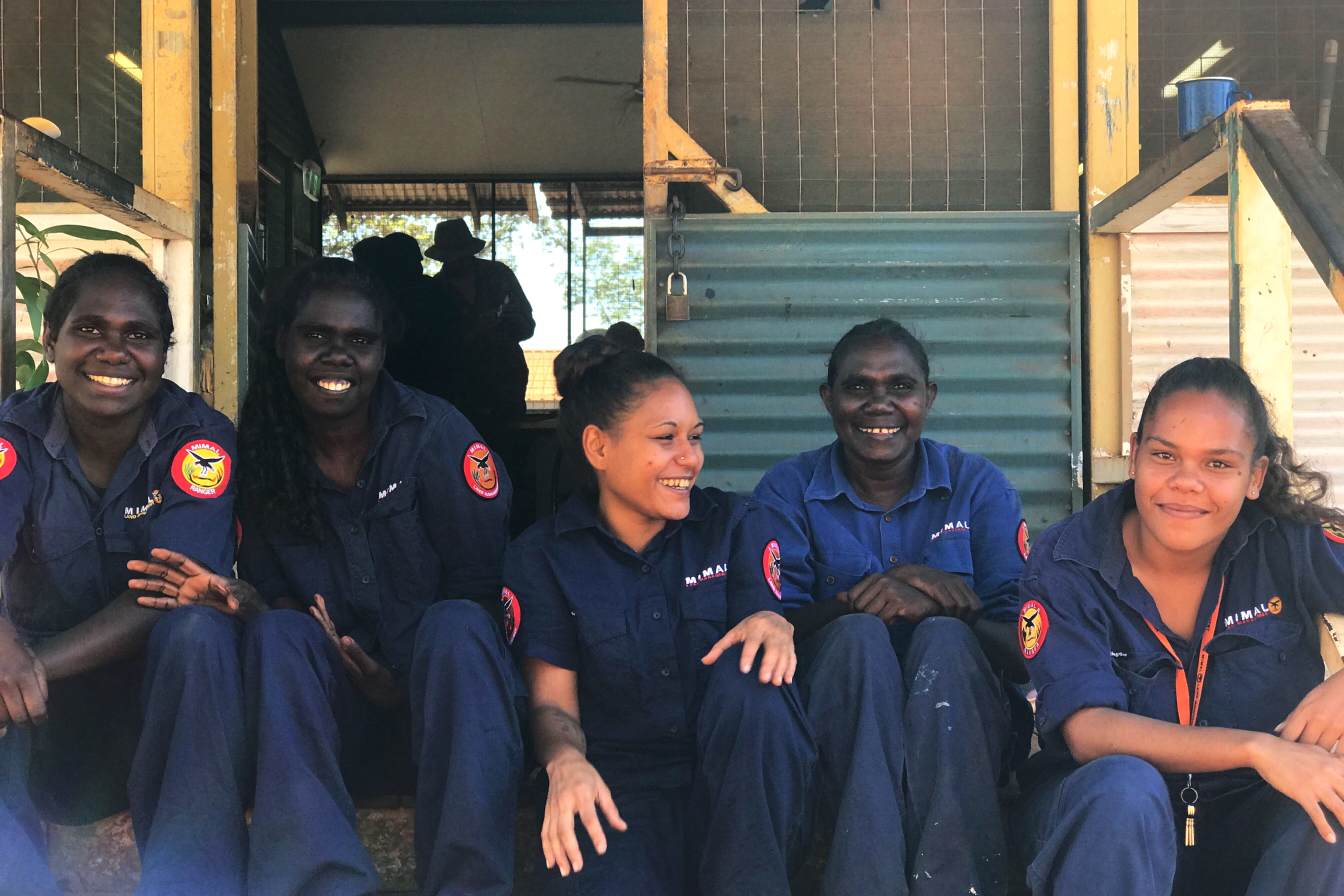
[646, 607]
[377, 511]
[105, 701]
[1188, 743]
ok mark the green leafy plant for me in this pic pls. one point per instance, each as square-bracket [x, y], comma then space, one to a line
[31, 367]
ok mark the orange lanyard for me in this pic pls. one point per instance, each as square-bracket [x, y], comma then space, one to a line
[1187, 710]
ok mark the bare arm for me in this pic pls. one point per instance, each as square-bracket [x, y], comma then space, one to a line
[575, 786]
[117, 631]
[1305, 773]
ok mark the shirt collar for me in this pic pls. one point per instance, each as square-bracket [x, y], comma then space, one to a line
[829, 480]
[44, 417]
[580, 512]
[1094, 537]
[393, 403]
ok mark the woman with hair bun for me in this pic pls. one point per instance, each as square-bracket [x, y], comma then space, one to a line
[647, 607]
[1170, 628]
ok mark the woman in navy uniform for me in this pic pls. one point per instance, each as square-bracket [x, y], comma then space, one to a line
[378, 510]
[96, 469]
[647, 607]
[901, 561]
[1188, 742]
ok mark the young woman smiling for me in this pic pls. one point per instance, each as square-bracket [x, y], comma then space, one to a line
[646, 602]
[374, 522]
[901, 560]
[97, 469]
[1170, 628]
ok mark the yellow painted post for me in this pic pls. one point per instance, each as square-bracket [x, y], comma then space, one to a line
[233, 100]
[1064, 147]
[170, 127]
[655, 99]
[9, 292]
[1110, 158]
[1261, 254]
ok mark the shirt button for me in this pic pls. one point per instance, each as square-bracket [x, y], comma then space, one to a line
[665, 672]
[887, 517]
[893, 559]
[354, 530]
[674, 729]
[657, 614]
[360, 483]
[98, 531]
[645, 568]
[830, 580]
[364, 580]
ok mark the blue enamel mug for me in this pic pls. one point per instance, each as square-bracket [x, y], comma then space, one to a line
[1201, 100]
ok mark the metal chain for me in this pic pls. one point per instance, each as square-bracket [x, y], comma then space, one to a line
[676, 240]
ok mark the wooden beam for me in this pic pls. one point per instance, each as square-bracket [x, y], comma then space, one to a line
[227, 135]
[1261, 319]
[530, 199]
[1065, 159]
[1192, 164]
[1110, 159]
[684, 146]
[171, 153]
[9, 292]
[475, 204]
[578, 203]
[654, 81]
[1308, 193]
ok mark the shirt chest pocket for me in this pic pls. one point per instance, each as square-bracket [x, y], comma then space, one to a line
[609, 666]
[400, 544]
[704, 613]
[1259, 671]
[47, 544]
[837, 572]
[1149, 680]
[951, 553]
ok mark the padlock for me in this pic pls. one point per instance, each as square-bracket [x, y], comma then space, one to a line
[678, 297]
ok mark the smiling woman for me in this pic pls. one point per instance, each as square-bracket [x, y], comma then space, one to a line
[900, 564]
[97, 470]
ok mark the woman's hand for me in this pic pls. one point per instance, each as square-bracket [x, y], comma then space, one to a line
[1319, 718]
[575, 789]
[23, 682]
[948, 590]
[1308, 775]
[768, 634]
[884, 595]
[369, 675]
[179, 581]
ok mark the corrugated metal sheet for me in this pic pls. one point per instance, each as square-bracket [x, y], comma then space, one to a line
[1178, 266]
[994, 296]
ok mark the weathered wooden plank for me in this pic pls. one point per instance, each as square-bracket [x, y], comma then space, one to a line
[1191, 165]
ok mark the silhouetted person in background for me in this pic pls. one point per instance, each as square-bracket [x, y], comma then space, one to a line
[490, 316]
[417, 359]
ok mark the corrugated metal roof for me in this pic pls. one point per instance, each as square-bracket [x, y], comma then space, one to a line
[994, 297]
[1178, 265]
[436, 197]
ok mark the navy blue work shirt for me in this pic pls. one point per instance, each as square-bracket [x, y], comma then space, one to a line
[635, 625]
[1086, 643]
[961, 516]
[427, 520]
[64, 545]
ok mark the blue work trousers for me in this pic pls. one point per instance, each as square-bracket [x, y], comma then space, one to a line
[913, 733]
[308, 721]
[739, 828]
[1109, 828]
[188, 776]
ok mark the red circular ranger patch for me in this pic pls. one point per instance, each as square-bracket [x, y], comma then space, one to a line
[478, 467]
[771, 567]
[513, 614]
[1032, 626]
[9, 458]
[202, 469]
[1332, 531]
[1023, 540]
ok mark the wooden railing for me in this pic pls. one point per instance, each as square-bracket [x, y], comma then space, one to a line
[1279, 187]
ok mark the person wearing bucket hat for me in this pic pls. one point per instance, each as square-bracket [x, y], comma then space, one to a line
[490, 316]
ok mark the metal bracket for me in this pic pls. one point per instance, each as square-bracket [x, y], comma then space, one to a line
[698, 171]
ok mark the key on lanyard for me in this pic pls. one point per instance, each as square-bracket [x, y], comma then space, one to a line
[1187, 707]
